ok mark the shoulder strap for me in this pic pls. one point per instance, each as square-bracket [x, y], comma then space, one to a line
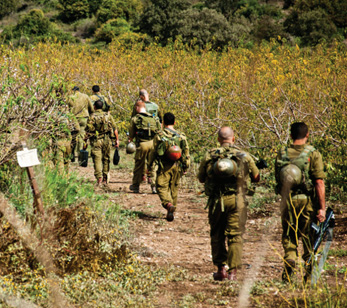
[173, 131]
[100, 97]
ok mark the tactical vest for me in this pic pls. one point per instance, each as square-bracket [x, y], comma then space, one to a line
[303, 163]
[219, 186]
[146, 126]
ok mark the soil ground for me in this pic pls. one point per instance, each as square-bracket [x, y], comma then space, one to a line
[184, 245]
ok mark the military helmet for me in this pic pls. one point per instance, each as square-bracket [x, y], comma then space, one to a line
[291, 175]
[225, 167]
[130, 148]
[174, 153]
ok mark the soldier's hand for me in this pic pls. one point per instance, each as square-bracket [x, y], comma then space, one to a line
[321, 215]
[116, 144]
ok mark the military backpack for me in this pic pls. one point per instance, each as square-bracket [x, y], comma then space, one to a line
[294, 173]
[146, 126]
[152, 109]
[170, 146]
[102, 124]
[225, 169]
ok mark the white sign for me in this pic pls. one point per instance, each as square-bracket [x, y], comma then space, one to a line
[27, 158]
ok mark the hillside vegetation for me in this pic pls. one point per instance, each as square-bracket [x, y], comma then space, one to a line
[215, 24]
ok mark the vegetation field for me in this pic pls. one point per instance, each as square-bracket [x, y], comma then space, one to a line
[108, 248]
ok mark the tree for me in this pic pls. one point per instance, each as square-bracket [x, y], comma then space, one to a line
[7, 7]
[311, 26]
[71, 10]
[160, 18]
[111, 29]
[204, 27]
[112, 9]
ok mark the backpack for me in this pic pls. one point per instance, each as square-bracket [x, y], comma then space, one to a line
[167, 142]
[152, 109]
[219, 183]
[102, 123]
[105, 106]
[303, 183]
[146, 126]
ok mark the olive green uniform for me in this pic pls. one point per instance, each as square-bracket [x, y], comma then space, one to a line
[62, 141]
[169, 172]
[300, 206]
[101, 127]
[81, 106]
[144, 143]
[106, 104]
[160, 116]
[227, 206]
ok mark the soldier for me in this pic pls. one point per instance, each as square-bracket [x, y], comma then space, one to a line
[151, 108]
[225, 172]
[66, 125]
[171, 152]
[143, 127]
[300, 178]
[103, 133]
[81, 106]
[97, 96]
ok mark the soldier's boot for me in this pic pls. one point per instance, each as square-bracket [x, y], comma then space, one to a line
[221, 274]
[232, 274]
[170, 212]
[154, 189]
[98, 182]
[143, 179]
[288, 271]
[135, 188]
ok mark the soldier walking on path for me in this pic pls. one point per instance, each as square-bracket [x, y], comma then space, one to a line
[226, 171]
[171, 153]
[143, 127]
[103, 134]
[81, 106]
[65, 126]
[98, 97]
[300, 181]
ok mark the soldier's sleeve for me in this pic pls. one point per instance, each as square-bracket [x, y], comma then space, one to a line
[253, 169]
[185, 152]
[90, 105]
[202, 175]
[90, 125]
[132, 128]
[113, 123]
[153, 153]
[317, 167]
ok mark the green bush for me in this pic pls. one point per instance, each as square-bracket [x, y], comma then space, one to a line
[204, 27]
[110, 30]
[85, 28]
[71, 10]
[7, 7]
[113, 9]
[312, 27]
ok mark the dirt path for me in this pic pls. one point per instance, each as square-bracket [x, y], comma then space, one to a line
[184, 244]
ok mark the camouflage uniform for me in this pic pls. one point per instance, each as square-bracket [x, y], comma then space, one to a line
[144, 143]
[62, 141]
[106, 104]
[81, 106]
[169, 172]
[149, 105]
[302, 200]
[101, 127]
[227, 206]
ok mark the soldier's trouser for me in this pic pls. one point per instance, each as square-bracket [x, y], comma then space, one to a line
[226, 225]
[168, 179]
[141, 155]
[81, 135]
[101, 154]
[297, 215]
[62, 149]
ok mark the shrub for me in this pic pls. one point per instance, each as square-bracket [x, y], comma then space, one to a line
[71, 10]
[85, 28]
[113, 9]
[204, 27]
[312, 27]
[7, 7]
[113, 28]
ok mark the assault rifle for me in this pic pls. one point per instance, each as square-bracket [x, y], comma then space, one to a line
[324, 230]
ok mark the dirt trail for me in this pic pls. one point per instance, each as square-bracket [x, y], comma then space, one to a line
[185, 245]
